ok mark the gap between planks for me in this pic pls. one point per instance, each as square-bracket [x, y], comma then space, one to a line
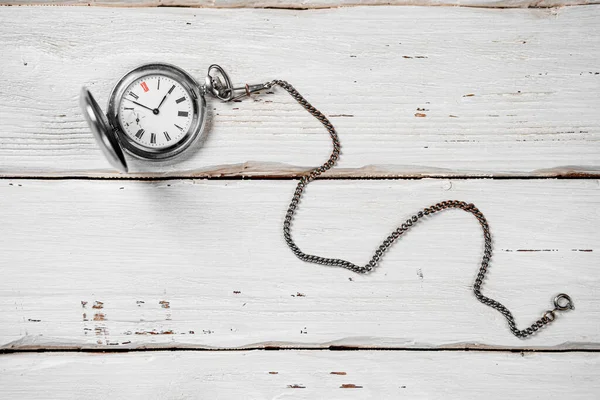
[303, 6]
[297, 348]
[132, 178]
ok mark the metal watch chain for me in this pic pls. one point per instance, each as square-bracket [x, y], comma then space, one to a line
[562, 302]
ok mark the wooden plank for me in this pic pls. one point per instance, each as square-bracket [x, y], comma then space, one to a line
[202, 264]
[301, 375]
[304, 5]
[508, 93]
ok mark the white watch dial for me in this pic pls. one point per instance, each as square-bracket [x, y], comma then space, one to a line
[155, 111]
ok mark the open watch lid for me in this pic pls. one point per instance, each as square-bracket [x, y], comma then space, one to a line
[103, 133]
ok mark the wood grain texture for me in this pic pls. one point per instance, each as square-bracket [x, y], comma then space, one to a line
[301, 375]
[507, 93]
[304, 4]
[202, 264]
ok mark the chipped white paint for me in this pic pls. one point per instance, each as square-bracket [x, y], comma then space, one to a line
[195, 264]
[508, 92]
[125, 264]
[305, 4]
[301, 375]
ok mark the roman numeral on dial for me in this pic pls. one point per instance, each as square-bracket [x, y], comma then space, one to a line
[140, 133]
[153, 138]
[182, 114]
[167, 136]
[178, 127]
[180, 100]
[135, 96]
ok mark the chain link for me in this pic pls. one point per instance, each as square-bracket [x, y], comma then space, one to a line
[547, 317]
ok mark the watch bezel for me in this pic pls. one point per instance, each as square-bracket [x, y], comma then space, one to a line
[195, 130]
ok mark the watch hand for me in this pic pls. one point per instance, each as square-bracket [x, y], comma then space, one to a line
[141, 105]
[162, 101]
[164, 98]
[137, 119]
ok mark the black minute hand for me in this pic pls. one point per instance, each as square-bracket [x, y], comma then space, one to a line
[141, 105]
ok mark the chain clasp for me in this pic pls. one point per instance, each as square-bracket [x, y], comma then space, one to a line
[218, 83]
[563, 302]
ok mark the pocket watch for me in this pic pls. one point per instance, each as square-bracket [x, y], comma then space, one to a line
[155, 112]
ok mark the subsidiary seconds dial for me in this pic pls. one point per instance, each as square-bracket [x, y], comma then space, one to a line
[155, 111]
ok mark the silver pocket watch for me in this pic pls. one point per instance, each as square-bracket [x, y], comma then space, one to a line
[156, 111]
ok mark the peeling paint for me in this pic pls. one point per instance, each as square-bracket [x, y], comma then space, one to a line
[420, 273]
[99, 317]
[101, 331]
[154, 332]
[164, 304]
[530, 250]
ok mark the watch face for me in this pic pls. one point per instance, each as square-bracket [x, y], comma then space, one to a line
[155, 111]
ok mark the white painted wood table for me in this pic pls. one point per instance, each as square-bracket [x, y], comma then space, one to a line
[107, 279]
